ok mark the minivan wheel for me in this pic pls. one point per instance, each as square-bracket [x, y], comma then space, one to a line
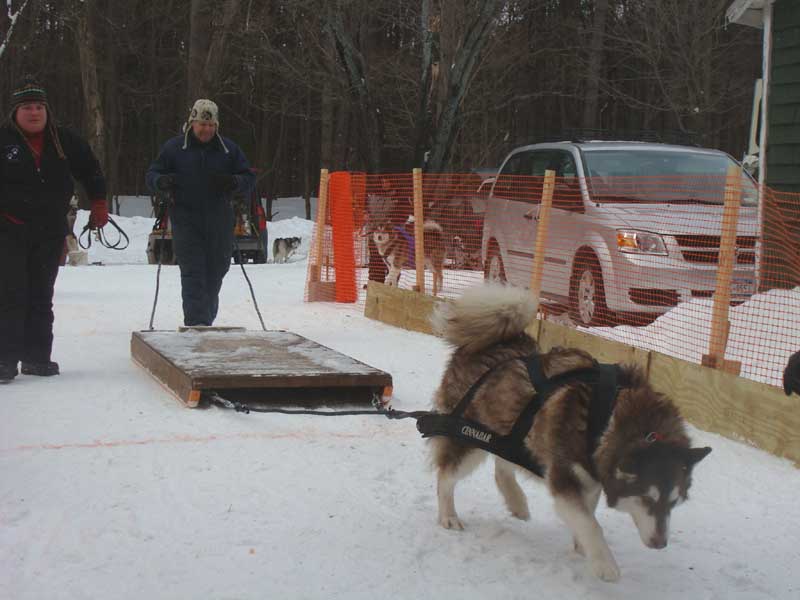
[587, 294]
[494, 270]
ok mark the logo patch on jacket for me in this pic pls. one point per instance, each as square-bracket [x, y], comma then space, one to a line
[12, 153]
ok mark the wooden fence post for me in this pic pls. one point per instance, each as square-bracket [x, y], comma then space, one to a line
[720, 326]
[319, 239]
[419, 231]
[541, 233]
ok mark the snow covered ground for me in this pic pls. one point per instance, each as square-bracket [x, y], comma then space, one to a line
[111, 490]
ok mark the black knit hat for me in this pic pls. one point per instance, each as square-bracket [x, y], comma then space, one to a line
[28, 91]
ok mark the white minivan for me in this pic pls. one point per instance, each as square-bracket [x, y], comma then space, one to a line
[635, 227]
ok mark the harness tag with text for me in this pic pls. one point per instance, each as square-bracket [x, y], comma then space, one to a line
[476, 434]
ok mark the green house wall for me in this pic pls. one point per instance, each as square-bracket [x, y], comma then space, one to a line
[783, 145]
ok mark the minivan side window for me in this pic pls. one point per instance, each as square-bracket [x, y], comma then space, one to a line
[509, 185]
[552, 160]
[567, 192]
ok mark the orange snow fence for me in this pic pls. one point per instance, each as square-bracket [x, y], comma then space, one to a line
[342, 221]
[704, 267]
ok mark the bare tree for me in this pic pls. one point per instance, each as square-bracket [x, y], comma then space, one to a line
[13, 15]
[87, 50]
[370, 125]
[596, 55]
[482, 21]
[377, 84]
[215, 62]
[200, 25]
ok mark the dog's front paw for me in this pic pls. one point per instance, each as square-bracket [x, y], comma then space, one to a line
[522, 513]
[451, 522]
[605, 568]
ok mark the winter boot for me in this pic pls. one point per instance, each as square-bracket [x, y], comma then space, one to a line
[8, 371]
[40, 369]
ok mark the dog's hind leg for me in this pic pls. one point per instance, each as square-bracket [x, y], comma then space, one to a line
[513, 495]
[453, 462]
[438, 281]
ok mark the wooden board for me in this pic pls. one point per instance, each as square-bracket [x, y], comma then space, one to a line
[738, 408]
[269, 365]
[606, 351]
[402, 308]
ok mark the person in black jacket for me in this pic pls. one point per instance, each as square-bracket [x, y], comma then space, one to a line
[37, 162]
[791, 375]
[202, 170]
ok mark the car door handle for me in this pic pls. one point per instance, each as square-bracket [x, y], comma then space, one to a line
[531, 216]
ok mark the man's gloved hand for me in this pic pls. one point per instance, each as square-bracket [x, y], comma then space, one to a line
[99, 214]
[165, 183]
[791, 376]
[223, 182]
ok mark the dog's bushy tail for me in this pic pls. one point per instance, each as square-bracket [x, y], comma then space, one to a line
[485, 315]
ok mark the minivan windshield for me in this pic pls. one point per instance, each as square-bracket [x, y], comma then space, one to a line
[661, 176]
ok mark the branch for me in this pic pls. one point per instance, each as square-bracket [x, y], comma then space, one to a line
[12, 17]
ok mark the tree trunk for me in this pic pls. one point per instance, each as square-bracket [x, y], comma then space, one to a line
[458, 79]
[215, 60]
[370, 122]
[341, 140]
[326, 145]
[199, 43]
[13, 15]
[590, 113]
[307, 178]
[91, 90]
[427, 85]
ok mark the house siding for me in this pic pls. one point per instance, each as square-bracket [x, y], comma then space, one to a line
[783, 153]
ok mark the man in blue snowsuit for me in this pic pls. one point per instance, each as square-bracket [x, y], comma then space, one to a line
[202, 170]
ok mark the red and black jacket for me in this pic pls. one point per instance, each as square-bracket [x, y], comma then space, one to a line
[40, 197]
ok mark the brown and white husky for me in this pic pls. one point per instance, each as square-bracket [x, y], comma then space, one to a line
[642, 460]
[395, 245]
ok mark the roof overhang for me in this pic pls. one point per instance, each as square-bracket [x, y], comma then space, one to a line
[747, 12]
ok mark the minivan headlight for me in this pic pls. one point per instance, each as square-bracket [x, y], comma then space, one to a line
[640, 242]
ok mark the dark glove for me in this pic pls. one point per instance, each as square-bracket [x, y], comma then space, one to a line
[165, 183]
[99, 214]
[223, 182]
[791, 376]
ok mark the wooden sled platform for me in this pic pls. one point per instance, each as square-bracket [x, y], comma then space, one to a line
[265, 366]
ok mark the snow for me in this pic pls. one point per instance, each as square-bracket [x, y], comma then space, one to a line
[199, 352]
[764, 333]
[111, 489]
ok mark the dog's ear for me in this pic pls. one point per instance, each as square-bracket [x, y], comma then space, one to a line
[695, 455]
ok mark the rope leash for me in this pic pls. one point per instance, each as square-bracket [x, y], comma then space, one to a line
[377, 409]
[163, 203]
[102, 238]
[422, 417]
[247, 279]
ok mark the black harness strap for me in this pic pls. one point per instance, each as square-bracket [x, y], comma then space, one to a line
[511, 447]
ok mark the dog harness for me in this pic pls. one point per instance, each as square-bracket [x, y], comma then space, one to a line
[602, 379]
[411, 258]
